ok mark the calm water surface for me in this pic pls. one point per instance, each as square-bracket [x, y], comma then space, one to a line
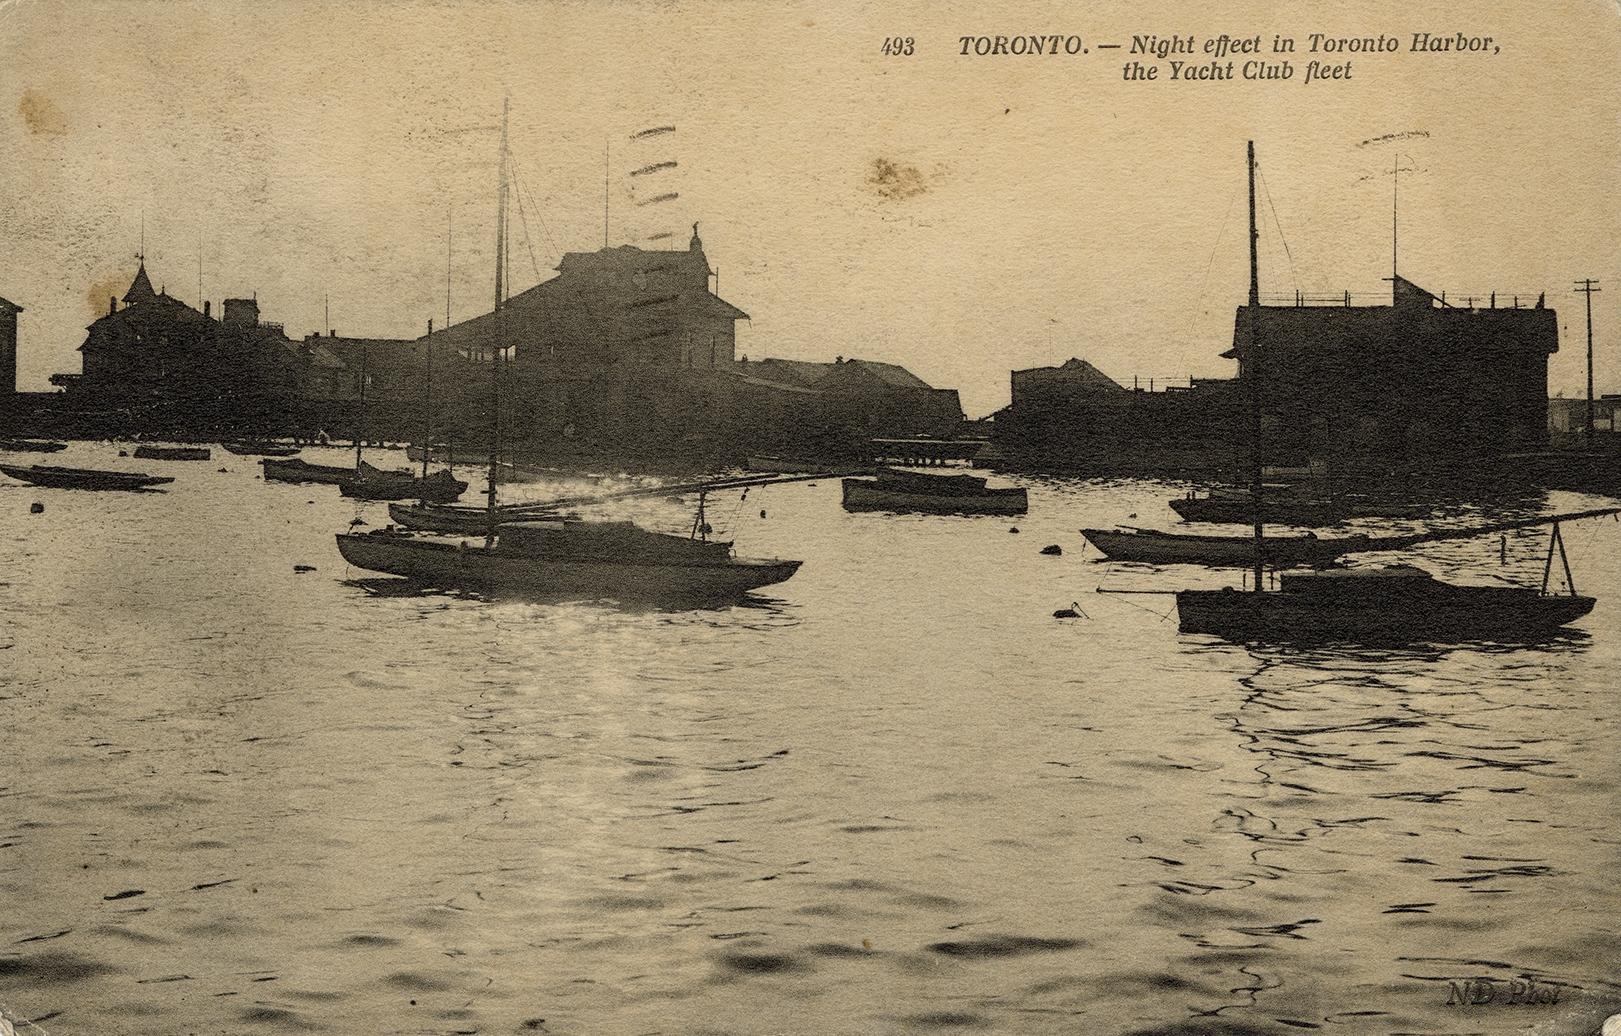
[895, 795]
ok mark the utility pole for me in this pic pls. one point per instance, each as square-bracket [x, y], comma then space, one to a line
[1252, 374]
[1587, 287]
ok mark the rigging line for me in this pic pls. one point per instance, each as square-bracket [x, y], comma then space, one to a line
[528, 236]
[1269, 204]
[1216, 246]
[540, 218]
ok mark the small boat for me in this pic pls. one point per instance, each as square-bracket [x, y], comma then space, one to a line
[1236, 508]
[792, 465]
[261, 449]
[905, 491]
[371, 483]
[465, 521]
[617, 560]
[82, 478]
[31, 446]
[303, 471]
[173, 452]
[1180, 548]
[1176, 548]
[1399, 603]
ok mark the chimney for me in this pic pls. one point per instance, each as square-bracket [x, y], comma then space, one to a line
[207, 306]
[112, 304]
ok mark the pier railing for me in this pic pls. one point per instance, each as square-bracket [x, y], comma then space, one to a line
[1454, 300]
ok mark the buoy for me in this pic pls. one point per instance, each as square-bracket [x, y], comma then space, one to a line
[36, 508]
[1013, 529]
[762, 512]
[1052, 550]
[1072, 612]
[123, 453]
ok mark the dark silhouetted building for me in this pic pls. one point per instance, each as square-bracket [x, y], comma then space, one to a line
[1421, 379]
[1416, 384]
[8, 346]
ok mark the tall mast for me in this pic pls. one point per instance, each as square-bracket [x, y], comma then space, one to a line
[1253, 377]
[1588, 287]
[605, 192]
[360, 422]
[427, 402]
[500, 325]
[449, 213]
[1395, 180]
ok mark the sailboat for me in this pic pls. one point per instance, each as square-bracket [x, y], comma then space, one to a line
[560, 556]
[1398, 603]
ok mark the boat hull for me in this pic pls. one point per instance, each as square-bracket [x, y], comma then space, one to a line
[265, 450]
[31, 446]
[1165, 548]
[173, 453]
[450, 565]
[1461, 613]
[434, 489]
[303, 471]
[461, 521]
[83, 478]
[862, 495]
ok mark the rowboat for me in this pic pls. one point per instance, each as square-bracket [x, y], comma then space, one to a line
[908, 492]
[375, 484]
[303, 471]
[82, 478]
[173, 452]
[265, 449]
[1176, 548]
[463, 521]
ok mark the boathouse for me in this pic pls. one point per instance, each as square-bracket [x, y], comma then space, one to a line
[1425, 379]
[8, 346]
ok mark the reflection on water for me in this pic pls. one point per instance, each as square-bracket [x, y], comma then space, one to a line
[895, 795]
[671, 600]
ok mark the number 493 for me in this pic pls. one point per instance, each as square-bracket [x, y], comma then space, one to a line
[898, 46]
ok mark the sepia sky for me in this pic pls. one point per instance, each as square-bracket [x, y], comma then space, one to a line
[1030, 208]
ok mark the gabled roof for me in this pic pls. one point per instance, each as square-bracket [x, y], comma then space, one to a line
[140, 289]
[630, 259]
[891, 374]
[1074, 371]
[315, 351]
[7, 306]
[790, 372]
[811, 374]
